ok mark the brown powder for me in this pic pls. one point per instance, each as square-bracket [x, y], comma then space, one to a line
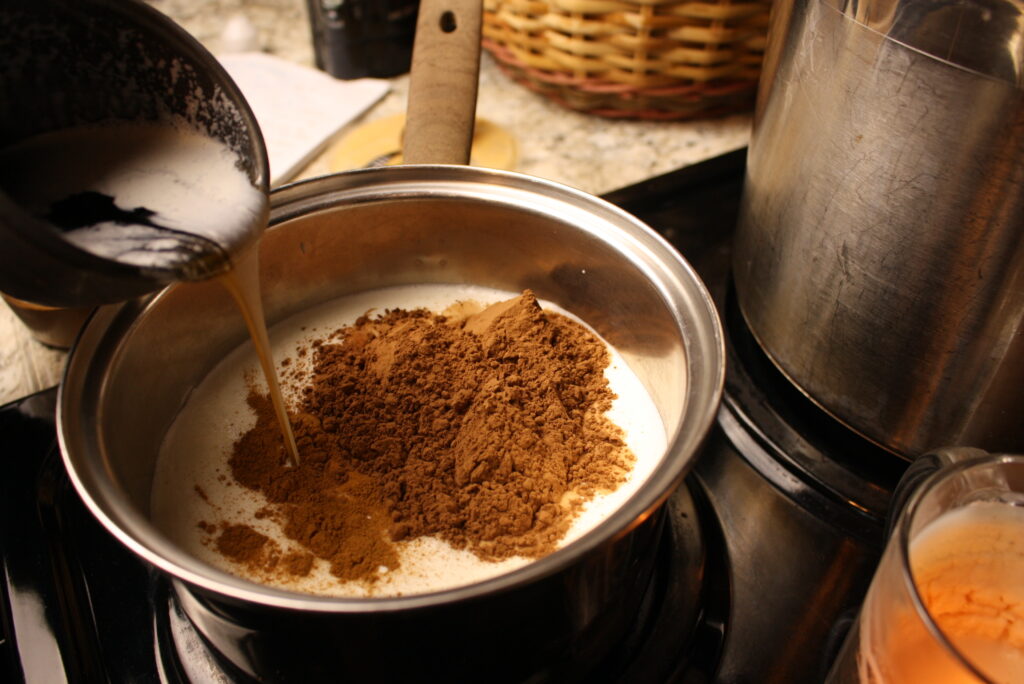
[487, 432]
[259, 553]
[297, 564]
[243, 544]
[202, 493]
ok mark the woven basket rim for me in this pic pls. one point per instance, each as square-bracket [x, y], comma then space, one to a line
[637, 58]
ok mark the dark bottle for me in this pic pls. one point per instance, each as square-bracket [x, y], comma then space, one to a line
[363, 38]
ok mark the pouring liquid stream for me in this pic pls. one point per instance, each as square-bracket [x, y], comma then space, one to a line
[242, 282]
[153, 196]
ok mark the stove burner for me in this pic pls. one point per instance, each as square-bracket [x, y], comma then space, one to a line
[79, 606]
[677, 636]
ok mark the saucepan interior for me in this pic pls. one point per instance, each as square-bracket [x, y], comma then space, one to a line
[135, 365]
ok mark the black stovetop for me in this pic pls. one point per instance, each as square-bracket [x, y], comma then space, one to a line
[78, 606]
[63, 576]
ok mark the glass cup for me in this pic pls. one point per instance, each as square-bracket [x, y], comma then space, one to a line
[946, 603]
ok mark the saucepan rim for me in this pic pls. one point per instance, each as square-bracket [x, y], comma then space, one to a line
[678, 284]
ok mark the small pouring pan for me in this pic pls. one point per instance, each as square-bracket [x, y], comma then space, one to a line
[554, 619]
[66, 64]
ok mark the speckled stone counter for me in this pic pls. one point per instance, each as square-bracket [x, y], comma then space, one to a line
[590, 153]
[593, 154]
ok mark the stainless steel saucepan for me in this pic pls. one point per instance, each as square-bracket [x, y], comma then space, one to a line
[135, 364]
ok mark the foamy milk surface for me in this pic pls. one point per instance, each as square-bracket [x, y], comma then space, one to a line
[191, 183]
[198, 445]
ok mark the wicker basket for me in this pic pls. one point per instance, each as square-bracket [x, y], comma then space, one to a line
[646, 59]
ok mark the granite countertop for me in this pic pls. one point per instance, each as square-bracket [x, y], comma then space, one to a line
[593, 154]
[590, 153]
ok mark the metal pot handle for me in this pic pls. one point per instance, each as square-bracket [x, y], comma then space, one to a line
[443, 83]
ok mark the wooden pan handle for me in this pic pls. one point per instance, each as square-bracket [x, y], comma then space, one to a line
[443, 83]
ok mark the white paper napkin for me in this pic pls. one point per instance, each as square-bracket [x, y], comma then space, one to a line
[299, 109]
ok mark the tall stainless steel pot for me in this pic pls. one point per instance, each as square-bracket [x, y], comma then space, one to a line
[879, 258]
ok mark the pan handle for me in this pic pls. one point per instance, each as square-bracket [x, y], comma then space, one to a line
[443, 83]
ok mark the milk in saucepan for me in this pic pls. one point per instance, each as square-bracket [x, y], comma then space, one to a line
[193, 486]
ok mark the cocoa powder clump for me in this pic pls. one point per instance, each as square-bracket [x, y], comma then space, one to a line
[486, 431]
[243, 544]
[259, 553]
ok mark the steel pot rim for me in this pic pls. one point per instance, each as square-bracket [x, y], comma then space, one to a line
[295, 199]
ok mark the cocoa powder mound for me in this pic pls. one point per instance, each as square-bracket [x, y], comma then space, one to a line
[487, 432]
[332, 511]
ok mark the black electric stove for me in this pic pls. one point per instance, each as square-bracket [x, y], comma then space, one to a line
[766, 552]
